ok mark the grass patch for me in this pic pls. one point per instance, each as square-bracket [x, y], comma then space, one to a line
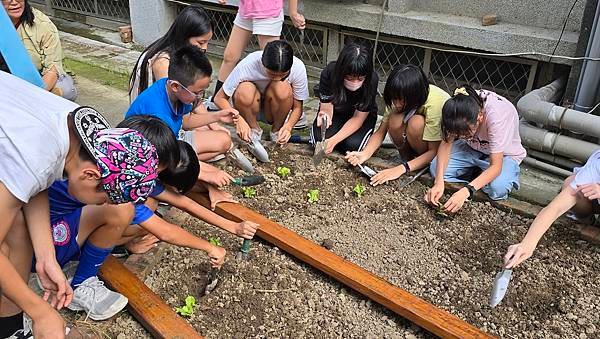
[98, 74]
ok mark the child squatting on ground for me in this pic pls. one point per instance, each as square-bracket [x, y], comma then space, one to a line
[77, 146]
[481, 148]
[414, 122]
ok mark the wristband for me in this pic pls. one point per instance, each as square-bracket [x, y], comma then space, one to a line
[471, 189]
[406, 166]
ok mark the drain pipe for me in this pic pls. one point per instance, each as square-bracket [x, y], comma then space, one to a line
[553, 159]
[546, 167]
[537, 106]
[589, 79]
[553, 143]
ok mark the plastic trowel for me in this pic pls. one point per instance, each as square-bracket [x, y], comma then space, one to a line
[321, 145]
[241, 160]
[250, 180]
[245, 250]
[213, 280]
[368, 171]
[500, 287]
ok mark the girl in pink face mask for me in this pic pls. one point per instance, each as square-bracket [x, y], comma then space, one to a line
[347, 91]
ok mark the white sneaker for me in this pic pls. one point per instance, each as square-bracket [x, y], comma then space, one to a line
[241, 160]
[210, 105]
[301, 122]
[255, 146]
[96, 300]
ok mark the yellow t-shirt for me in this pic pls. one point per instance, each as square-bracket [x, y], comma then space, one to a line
[42, 43]
[432, 111]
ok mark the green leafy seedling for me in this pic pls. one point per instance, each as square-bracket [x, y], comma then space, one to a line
[188, 309]
[440, 211]
[249, 192]
[214, 241]
[313, 196]
[283, 171]
[359, 189]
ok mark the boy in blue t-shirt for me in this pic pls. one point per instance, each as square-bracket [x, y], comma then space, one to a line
[175, 101]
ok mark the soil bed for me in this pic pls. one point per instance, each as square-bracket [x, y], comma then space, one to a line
[450, 262]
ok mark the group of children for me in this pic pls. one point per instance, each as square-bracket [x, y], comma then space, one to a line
[91, 187]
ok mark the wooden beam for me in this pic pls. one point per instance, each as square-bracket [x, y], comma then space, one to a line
[417, 310]
[147, 307]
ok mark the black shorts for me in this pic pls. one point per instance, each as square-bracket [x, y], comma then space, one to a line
[356, 141]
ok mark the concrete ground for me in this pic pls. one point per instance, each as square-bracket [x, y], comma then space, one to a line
[102, 75]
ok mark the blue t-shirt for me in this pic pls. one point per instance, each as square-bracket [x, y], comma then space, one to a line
[62, 203]
[155, 101]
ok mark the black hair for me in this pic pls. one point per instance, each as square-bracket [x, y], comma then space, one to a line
[184, 176]
[27, 16]
[408, 83]
[192, 21]
[354, 59]
[460, 112]
[278, 56]
[159, 134]
[84, 155]
[188, 64]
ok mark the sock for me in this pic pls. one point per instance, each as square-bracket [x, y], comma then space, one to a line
[90, 260]
[10, 325]
[218, 86]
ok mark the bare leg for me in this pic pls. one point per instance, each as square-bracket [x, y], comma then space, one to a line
[414, 134]
[396, 129]
[278, 103]
[208, 143]
[238, 40]
[246, 100]
[583, 207]
[263, 40]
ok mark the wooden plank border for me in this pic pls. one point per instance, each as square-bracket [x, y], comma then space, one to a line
[417, 310]
[147, 307]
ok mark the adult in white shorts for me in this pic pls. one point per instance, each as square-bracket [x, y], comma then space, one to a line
[264, 18]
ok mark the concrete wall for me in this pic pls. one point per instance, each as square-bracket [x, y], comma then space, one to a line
[150, 19]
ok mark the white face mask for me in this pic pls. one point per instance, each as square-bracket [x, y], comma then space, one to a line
[352, 85]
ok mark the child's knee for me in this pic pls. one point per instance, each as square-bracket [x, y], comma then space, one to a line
[498, 189]
[224, 142]
[120, 216]
[244, 95]
[279, 90]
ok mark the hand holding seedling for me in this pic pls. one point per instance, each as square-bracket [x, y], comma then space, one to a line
[457, 200]
[313, 196]
[356, 158]
[283, 171]
[246, 229]
[518, 253]
[387, 175]
[435, 193]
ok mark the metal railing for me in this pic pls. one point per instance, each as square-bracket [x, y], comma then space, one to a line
[114, 10]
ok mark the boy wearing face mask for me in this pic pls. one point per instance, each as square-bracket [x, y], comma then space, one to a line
[347, 91]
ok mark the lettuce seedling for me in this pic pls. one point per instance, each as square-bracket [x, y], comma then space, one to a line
[249, 192]
[283, 172]
[214, 241]
[359, 189]
[313, 196]
[188, 309]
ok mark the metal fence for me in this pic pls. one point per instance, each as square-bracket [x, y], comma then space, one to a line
[509, 77]
[114, 10]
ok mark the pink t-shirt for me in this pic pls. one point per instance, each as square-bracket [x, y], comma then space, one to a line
[499, 132]
[260, 9]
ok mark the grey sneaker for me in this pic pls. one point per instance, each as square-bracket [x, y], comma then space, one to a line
[241, 160]
[210, 105]
[301, 122]
[256, 148]
[96, 300]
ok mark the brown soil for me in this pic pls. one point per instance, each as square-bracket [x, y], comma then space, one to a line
[450, 262]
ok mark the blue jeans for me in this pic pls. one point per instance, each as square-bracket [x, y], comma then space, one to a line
[465, 160]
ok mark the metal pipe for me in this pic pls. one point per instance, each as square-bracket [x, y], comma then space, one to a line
[537, 106]
[542, 140]
[554, 159]
[546, 167]
[589, 79]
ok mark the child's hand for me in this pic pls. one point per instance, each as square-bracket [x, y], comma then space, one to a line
[217, 256]
[55, 285]
[434, 194]
[356, 158]
[331, 143]
[320, 118]
[221, 178]
[387, 175]
[243, 129]
[457, 200]
[590, 191]
[246, 229]
[298, 20]
[285, 133]
[228, 115]
[222, 2]
[49, 324]
[517, 253]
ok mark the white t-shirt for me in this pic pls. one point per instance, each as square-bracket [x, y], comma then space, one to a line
[251, 69]
[589, 173]
[34, 137]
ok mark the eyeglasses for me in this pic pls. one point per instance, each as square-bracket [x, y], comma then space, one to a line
[198, 97]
